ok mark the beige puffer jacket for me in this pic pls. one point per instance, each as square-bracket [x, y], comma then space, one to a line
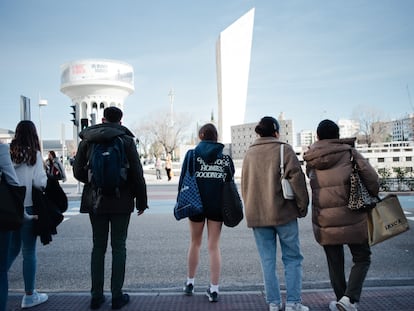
[328, 165]
[261, 188]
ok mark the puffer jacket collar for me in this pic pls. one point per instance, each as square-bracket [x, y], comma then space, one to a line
[104, 132]
[324, 154]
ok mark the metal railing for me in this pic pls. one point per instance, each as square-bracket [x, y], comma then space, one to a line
[396, 184]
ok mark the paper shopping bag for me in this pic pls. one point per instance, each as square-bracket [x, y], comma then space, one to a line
[386, 220]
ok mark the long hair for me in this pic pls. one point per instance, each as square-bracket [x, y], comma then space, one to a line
[25, 143]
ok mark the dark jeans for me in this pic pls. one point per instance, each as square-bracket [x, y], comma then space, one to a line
[361, 257]
[118, 225]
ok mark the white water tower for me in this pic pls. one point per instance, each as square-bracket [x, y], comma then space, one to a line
[93, 85]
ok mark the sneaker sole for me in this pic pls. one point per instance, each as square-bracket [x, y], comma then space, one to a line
[34, 304]
[340, 307]
[211, 299]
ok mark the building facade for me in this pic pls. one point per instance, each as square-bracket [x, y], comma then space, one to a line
[243, 135]
[403, 129]
[390, 156]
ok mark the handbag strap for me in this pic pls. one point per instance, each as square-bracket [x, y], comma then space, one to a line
[227, 169]
[282, 168]
[353, 161]
[191, 157]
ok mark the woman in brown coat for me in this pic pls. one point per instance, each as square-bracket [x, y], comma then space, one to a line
[328, 165]
[271, 216]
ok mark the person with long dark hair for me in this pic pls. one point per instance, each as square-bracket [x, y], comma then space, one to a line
[29, 167]
[8, 173]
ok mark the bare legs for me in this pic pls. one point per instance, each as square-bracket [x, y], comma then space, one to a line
[214, 231]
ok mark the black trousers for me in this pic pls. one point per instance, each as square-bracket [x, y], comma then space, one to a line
[361, 257]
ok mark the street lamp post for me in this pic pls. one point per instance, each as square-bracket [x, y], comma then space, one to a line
[171, 96]
[42, 102]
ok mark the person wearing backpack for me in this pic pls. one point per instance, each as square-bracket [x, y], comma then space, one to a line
[107, 163]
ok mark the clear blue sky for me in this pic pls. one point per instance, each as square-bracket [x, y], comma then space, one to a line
[310, 59]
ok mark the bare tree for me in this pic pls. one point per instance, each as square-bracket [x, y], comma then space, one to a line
[162, 131]
[371, 127]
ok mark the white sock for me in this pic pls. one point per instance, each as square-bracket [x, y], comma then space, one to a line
[214, 288]
[190, 281]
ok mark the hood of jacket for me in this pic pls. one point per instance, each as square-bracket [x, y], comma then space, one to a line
[326, 153]
[209, 151]
[104, 132]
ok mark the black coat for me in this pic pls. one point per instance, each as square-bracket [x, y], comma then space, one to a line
[135, 188]
[49, 204]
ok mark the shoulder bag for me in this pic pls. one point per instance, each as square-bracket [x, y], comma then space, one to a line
[386, 220]
[12, 205]
[188, 199]
[359, 197]
[232, 206]
[287, 190]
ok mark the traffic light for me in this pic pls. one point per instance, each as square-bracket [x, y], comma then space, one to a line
[84, 124]
[74, 114]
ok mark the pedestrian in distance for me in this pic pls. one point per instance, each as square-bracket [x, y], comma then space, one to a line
[6, 171]
[211, 169]
[168, 166]
[108, 164]
[271, 216]
[158, 167]
[54, 168]
[329, 166]
[29, 167]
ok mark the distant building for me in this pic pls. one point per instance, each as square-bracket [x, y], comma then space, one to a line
[348, 128]
[403, 129]
[390, 156]
[306, 138]
[6, 135]
[243, 135]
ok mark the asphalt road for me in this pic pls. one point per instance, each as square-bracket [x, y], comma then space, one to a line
[157, 247]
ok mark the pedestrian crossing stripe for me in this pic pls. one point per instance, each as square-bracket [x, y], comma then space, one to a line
[409, 217]
[70, 212]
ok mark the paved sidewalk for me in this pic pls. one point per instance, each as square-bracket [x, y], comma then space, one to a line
[378, 299]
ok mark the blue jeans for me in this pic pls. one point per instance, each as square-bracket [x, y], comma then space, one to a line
[266, 242]
[4, 283]
[25, 240]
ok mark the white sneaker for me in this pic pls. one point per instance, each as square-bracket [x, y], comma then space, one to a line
[332, 306]
[344, 304]
[275, 307]
[35, 299]
[295, 306]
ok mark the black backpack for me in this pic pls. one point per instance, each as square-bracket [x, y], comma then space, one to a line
[108, 167]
